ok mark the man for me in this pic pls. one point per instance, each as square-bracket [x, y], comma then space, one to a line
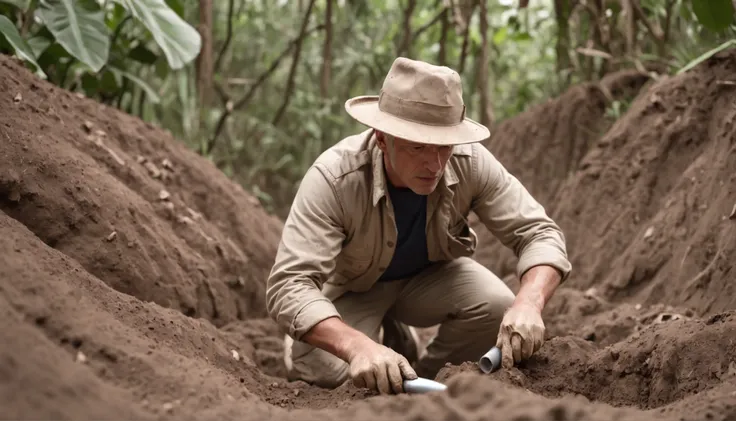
[378, 236]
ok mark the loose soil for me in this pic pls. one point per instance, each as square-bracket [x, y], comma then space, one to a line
[132, 271]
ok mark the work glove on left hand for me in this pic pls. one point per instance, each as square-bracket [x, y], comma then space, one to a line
[521, 334]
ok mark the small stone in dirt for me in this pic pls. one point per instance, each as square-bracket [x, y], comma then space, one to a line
[185, 220]
[152, 169]
[296, 392]
[168, 406]
[194, 214]
[733, 212]
[14, 195]
[254, 201]
[140, 159]
[18, 98]
[274, 384]
[112, 236]
[167, 164]
[81, 358]
[236, 356]
[648, 233]
[88, 126]
[163, 195]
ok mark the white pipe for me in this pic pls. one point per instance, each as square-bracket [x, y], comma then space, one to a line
[490, 361]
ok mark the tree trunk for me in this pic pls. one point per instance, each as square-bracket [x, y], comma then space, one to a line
[562, 46]
[486, 108]
[442, 54]
[327, 52]
[405, 46]
[205, 63]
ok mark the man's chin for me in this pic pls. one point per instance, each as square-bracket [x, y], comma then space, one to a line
[424, 187]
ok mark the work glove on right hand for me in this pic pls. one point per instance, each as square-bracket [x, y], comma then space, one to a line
[521, 334]
[380, 368]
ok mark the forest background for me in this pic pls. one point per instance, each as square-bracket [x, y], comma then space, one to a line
[258, 86]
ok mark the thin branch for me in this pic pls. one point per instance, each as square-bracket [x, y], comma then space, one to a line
[466, 37]
[656, 32]
[429, 24]
[27, 19]
[294, 64]
[228, 37]
[327, 52]
[237, 105]
[668, 21]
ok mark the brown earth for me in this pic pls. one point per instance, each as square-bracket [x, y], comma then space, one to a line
[131, 272]
[544, 146]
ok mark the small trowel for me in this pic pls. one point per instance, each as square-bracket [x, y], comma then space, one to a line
[422, 385]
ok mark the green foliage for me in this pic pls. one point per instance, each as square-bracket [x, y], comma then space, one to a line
[80, 28]
[179, 41]
[139, 55]
[715, 15]
[106, 49]
[23, 50]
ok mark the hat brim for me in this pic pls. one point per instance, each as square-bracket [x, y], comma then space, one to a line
[365, 110]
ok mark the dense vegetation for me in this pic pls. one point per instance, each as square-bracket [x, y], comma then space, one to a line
[258, 85]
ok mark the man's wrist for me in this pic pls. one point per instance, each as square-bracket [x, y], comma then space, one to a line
[351, 341]
[537, 286]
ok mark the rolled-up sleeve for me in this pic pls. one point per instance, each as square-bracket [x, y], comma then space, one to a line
[311, 239]
[521, 223]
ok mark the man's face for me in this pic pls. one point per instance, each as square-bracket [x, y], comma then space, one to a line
[414, 165]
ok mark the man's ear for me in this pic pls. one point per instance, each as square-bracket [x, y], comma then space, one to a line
[381, 140]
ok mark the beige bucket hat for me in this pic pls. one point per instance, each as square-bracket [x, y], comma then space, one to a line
[419, 102]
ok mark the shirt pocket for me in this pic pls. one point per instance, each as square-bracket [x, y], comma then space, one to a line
[350, 266]
[461, 240]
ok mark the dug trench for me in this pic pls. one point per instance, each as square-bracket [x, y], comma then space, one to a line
[132, 271]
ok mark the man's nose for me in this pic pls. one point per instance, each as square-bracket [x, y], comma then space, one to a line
[433, 162]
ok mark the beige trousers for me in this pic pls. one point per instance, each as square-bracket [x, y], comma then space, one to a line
[466, 299]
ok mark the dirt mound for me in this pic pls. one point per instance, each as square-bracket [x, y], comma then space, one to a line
[544, 146]
[669, 359]
[135, 207]
[649, 217]
[164, 318]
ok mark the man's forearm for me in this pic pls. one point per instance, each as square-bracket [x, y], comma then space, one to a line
[537, 286]
[336, 337]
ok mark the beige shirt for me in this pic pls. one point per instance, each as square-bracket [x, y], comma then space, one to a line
[340, 233]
